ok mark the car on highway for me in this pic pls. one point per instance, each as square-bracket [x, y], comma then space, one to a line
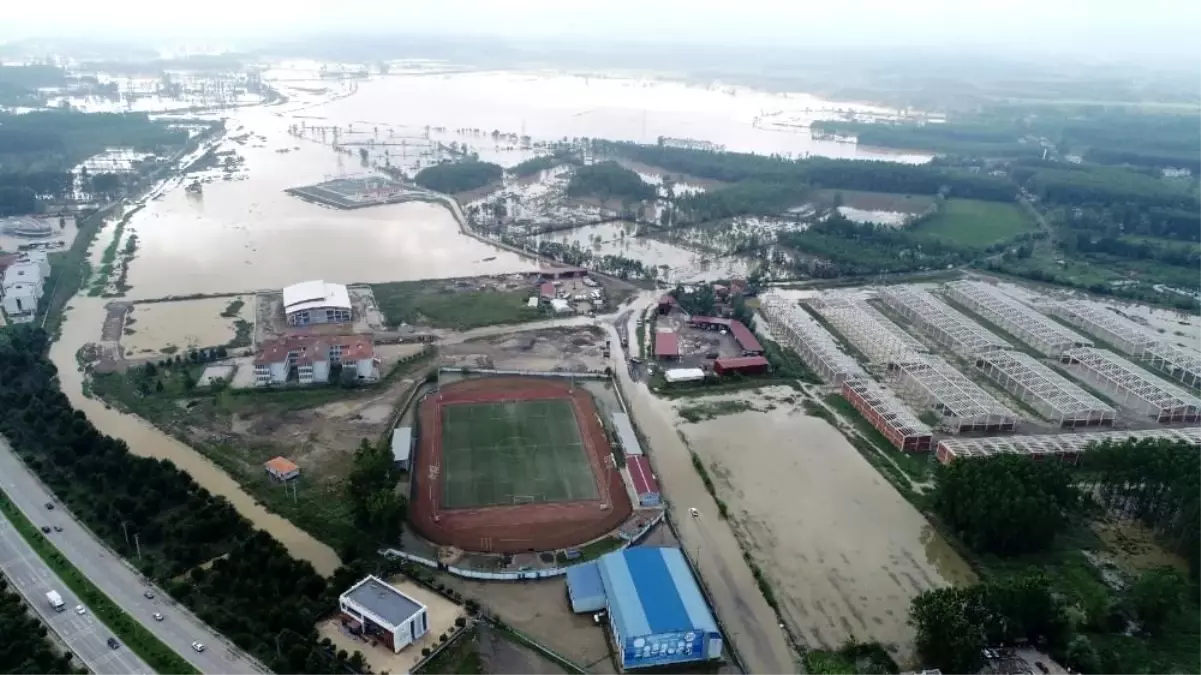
[49, 506]
[81, 610]
[197, 646]
[58, 528]
[113, 644]
[149, 595]
[46, 529]
[157, 616]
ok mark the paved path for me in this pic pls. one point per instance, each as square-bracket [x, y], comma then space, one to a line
[83, 634]
[116, 578]
[752, 624]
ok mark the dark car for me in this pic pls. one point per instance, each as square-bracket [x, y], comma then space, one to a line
[149, 595]
[50, 506]
[58, 528]
[46, 529]
[113, 644]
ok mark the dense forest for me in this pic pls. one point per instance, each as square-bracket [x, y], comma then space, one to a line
[57, 140]
[19, 84]
[234, 577]
[609, 180]
[1027, 521]
[458, 176]
[24, 645]
[537, 165]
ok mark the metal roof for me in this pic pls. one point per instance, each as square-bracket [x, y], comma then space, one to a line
[402, 443]
[314, 294]
[584, 584]
[382, 600]
[625, 434]
[667, 344]
[684, 374]
[652, 591]
[1056, 444]
[642, 476]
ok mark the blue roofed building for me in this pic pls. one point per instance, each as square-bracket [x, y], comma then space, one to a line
[657, 614]
[585, 588]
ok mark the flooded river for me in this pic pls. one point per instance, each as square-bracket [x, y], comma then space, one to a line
[81, 326]
[844, 552]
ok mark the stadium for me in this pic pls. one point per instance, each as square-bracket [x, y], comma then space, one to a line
[512, 465]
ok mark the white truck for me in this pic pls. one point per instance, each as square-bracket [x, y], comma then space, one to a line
[55, 600]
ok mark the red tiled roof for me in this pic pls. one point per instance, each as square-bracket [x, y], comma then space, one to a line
[741, 362]
[667, 344]
[547, 290]
[310, 348]
[743, 335]
[640, 473]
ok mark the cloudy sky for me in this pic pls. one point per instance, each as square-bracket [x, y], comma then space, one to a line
[1154, 28]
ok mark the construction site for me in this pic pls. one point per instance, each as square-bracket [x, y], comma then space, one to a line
[358, 191]
[956, 368]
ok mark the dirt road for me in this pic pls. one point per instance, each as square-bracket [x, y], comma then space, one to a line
[752, 625]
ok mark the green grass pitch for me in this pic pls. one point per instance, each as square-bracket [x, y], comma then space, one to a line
[513, 452]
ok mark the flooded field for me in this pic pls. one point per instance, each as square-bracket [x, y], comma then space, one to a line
[844, 552]
[675, 263]
[152, 328]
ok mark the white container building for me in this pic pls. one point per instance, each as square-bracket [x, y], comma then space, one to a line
[881, 340]
[940, 321]
[961, 403]
[1066, 447]
[1052, 395]
[794, 328]
[1019, 320]
[1133, 386]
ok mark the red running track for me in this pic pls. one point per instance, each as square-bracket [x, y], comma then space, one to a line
[514, 528]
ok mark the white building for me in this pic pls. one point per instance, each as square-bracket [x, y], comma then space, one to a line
[402, 447]
[1052, 395]
[313, 356]
[21, 302]
[314, 302]
[794, 328]
[1133, 386]
[24, 272]
[376, 609]
[1016, 318]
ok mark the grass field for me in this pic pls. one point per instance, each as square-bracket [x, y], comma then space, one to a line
[435, 305]
[976, 224]
[513, 452]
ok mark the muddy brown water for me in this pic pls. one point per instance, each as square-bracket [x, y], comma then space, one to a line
[81, 326]
[844, 552]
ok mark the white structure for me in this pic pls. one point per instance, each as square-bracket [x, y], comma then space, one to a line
[560, 306]
[882, 341]
[794, 328]
[1123, 335]
[39, 258]
[684, 375]
[888, 415]
[1019, 320]
[1179, 364]
[943, 324]
[24, 272]
[313, 302]
[402, 447]
[1136, 388]
[626, 437]
[26, 226]
[376, 609]
[21, 302]
[313, 356]
[1067, 447]
[960, 402]
[1052, 395]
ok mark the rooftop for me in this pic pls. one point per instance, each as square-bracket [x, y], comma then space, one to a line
[667, 344]
[641, 475]
[281, 465]
[652, 591]
[310, 348]
[402, 443]
[314, 294]
[742, 335]
[626, 435]
[742, 362]
[385, 602]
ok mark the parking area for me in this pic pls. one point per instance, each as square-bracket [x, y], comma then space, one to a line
[697, 347]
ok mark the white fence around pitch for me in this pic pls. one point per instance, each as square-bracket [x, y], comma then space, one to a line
[582, 375]
[528, 575]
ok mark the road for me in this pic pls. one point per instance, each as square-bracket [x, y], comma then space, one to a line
[119, 581]
[83, 634]
[752, 625]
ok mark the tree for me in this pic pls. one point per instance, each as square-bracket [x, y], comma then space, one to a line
[1157, 596]
[1005, 504]
[950, 628]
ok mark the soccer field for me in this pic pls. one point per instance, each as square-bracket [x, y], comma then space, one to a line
[513, 453]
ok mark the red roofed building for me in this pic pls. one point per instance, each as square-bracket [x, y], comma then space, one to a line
[742, 335]
[643, 480]
[667, 346]
[743, 365]
[546, 291]
[666, 303]
[312, 356]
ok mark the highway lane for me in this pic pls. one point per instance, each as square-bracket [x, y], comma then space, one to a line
[84, 635]
[112, 575]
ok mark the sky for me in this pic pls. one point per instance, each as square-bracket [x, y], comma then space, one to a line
[1150, 28]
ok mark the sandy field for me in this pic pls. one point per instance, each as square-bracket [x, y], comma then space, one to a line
[844, 552]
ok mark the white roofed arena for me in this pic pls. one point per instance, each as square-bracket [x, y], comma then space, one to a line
[316, 302]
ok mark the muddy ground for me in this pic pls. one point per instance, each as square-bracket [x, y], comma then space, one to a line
[558, 349]
[844, 552]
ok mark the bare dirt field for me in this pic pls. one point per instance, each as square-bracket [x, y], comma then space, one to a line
[502, 657]
[155, 327]
[843, 551]
[556, 349]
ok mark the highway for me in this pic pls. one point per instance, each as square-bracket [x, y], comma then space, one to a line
[118, 580]
[83, 634]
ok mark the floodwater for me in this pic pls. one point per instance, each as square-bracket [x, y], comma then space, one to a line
[249, 235]
[676, 263]
[844, 552]
[183, 324]
[879, 217]
[82, 326]
[550, 106]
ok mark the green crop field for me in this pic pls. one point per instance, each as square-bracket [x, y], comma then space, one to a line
[976, 224]
[513, 452]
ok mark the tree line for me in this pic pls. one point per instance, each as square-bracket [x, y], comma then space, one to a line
[1014, 512]
[234, 577]
[57, 140]
[25, 646]
[458, 176]
[609, 180]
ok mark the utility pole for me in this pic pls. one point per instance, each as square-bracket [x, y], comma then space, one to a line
[138, 544]
[126, 531]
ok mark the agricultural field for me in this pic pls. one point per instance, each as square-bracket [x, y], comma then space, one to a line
[976, 224]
